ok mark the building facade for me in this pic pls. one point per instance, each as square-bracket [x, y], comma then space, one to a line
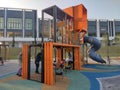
[99, 28]
[19, 24]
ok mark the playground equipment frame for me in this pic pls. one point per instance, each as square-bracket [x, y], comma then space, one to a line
[47, 46]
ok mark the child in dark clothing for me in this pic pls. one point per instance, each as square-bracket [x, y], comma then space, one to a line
[37, 60]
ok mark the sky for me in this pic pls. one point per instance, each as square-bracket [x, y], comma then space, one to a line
[96, 9]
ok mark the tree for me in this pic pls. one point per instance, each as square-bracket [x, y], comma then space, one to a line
[13, 41]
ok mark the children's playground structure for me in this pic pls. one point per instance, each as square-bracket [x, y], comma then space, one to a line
[61, 31]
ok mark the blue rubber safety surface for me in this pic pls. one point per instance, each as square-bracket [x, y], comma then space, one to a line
[102, 66]
[87, 80]
[92, 76]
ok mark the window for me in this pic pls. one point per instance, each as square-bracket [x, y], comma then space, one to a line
[14, 23]
[92, 30]
[103, 31]
[103, 28]
[110, 28]
[117, 28]
[1, 23]
[28, 24]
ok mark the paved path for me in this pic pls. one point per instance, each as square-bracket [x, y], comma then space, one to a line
[10, 66]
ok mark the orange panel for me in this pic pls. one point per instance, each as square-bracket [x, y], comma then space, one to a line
[48, 63]
[25, 61]
[80, 18]
[77, 59]
[79, 13]
[45, 69]
[69, 11]
[51, 64]
[59, 57]
[76, 39]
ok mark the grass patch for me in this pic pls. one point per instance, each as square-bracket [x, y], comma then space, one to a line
[12, 53]
[114, 51]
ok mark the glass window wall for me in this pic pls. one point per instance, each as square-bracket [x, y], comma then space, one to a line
[28, 24]
[103, 28]
[1, 23]
[14, 23]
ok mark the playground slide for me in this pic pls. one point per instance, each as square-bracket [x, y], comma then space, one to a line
[95, 46]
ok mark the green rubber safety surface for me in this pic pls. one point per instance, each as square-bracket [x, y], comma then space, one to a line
[20, 85]
[78, 81]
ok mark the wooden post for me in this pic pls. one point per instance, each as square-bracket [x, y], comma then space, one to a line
[48, 63]
[25, 61]
[77, 59]
[59, 57]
